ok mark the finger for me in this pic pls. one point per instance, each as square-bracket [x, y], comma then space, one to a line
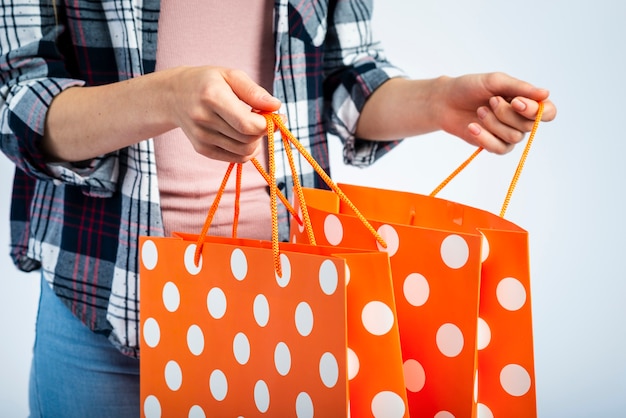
[233, 101]
[219, 154]
[216, 126]
[235, 118]
[506, 114]
[225, 149]
[529, 108]
[218, 134]
[502, 84]
[250, 92]
[503, 122]
[481, 137]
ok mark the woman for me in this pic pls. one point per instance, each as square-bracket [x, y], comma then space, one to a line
[108, 149]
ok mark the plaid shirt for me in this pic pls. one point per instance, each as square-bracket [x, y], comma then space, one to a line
[80, 222]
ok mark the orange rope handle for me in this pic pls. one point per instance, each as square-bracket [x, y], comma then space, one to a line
[237, 196]
[274, 120]
[273, 193]
[455, 172]
[297, 187]
[278, 121]
[518, 171]
[211, 214]
[281, 196]
[522, 161]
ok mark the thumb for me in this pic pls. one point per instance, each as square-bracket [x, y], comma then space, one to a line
[251, 93]
[501, 84]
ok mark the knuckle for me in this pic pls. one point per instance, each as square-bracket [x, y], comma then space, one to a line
[250, 125]
[197, 115]
[493, 79]
[249, 149]
[201, 147]
[514, 137]
[241, 126]
[210, 96]
[497, 146]
[234, 73]
[501, 149]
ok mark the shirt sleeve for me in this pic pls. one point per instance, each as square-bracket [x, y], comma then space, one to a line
[33, 73]
[355, 66]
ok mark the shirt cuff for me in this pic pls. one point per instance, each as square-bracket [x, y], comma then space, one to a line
[27, 110]
[351, 94]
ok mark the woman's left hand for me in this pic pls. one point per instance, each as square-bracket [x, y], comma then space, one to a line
[493, 110]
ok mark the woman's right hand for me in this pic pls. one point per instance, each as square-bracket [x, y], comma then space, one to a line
[212, 105]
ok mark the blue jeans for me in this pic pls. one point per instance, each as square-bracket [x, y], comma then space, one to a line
[75, 372]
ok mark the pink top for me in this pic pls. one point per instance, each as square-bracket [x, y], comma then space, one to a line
[212, 32]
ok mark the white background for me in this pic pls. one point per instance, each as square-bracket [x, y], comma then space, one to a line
[570, 197]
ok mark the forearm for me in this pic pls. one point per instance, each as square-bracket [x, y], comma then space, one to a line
[400, 108]
[85, 122]
[491, 110]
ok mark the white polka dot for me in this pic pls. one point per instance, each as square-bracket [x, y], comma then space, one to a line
[261, 309]
[173, 375]
[195, 340]
[285, 266]
[191, 267]
[454, 251]
[377, 318]
[515, 380]
[333, 230]
[390, 235]
[443, 414]
[282, 358]
[149, 254]
[484, 249]
[388, 405]
[450, 340]
[347, 278]
[414, 375]
[329, 370]
[416, 289]
[353, 364]
[239, 264]
[511, 294]
[304, 406]
[261, 396]
[241, 348]
[196, 412]
[304, 319]
[152, 407]
[216, 302]
[329, 277]
[151, 332]
[484, 411]
[171, 297]
[484, 334]
[218, 385]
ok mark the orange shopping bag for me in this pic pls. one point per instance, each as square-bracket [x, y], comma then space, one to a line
[462, 286]
[234, 327]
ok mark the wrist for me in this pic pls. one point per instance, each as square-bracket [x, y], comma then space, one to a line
[437, 95]
[159, 91]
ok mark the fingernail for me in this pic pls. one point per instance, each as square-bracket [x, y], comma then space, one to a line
[268, 98]
[494, 102]
[518, 105]
[481, 112]
[474, 128]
